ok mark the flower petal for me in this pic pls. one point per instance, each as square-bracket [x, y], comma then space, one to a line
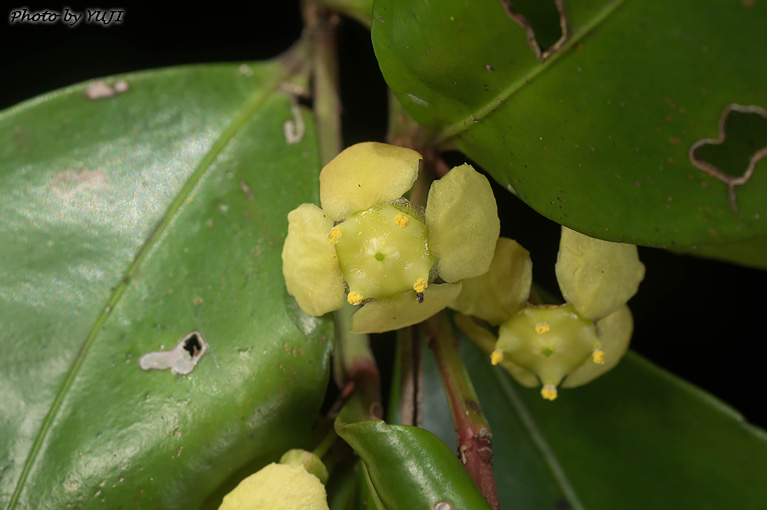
[614, 331]
[504, 289]
[597, 276]
[309, 262]
[403, 310]
[278, 487]
[463, 224]
[307, 460]
[364, 175]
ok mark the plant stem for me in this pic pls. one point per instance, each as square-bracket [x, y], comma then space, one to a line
[327, 102]
[322, 449]
[406, 394]
[353, 360]
[472, 429]
[359, 10]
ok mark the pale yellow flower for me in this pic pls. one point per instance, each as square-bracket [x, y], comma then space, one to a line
[278, 487]
[372, 248]
[296, 482]
[568, 344]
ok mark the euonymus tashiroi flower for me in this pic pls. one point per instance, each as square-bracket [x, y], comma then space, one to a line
[369, 246]
[575, 342]
[296, 482]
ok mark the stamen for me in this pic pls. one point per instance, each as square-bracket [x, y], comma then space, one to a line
[334, 235]
[354, 299]
[420, 285]
[598, 356]
[401, 220]
[542, 327]
[496, 357]
[549, 392]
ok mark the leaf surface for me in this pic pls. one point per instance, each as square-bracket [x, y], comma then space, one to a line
[636, 438]
[410, 467]
[600, 136]
[127, 223]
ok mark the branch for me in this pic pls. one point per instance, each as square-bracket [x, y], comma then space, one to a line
[327, 102]
[472, 429]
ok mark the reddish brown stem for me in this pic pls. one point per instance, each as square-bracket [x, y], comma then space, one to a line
[472, 429]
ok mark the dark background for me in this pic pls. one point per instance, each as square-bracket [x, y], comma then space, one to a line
[702, 320]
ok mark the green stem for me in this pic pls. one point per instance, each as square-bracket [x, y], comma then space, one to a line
[327, 102]
[353, 360]
[480, 336]
[327, 442]
[472, 428]
[359, 10]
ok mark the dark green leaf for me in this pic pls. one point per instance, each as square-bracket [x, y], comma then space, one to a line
[411, 468]
[637, 437]
[598, 137]
[127, 223]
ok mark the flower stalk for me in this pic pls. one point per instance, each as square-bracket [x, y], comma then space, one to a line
[472, 429]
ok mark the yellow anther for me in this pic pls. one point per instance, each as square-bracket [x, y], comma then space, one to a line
[598, 356]
[401, 220]
[354, 299]
[549, 392]
[420, 285]
[541, 328]
[334, 235]
[496, 357]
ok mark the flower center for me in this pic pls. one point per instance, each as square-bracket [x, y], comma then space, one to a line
[551, 342]
[382, 252]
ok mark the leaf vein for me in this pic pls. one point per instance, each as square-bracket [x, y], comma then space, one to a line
[549, 457]
[249, 108]
[467, 122]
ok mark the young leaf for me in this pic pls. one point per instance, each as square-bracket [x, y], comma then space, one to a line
[411, 468]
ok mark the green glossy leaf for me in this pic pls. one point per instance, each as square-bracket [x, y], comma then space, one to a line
[598, 136]
[127, 223]
[368, 497]
[350, 488]
[410, 467]
[636, 438]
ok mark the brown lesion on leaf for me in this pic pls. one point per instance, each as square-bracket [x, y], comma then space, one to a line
[747, 144]
[520, 13]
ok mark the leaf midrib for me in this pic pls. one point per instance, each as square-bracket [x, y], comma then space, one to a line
[465, 123]
[248, 109]
[539, 441]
